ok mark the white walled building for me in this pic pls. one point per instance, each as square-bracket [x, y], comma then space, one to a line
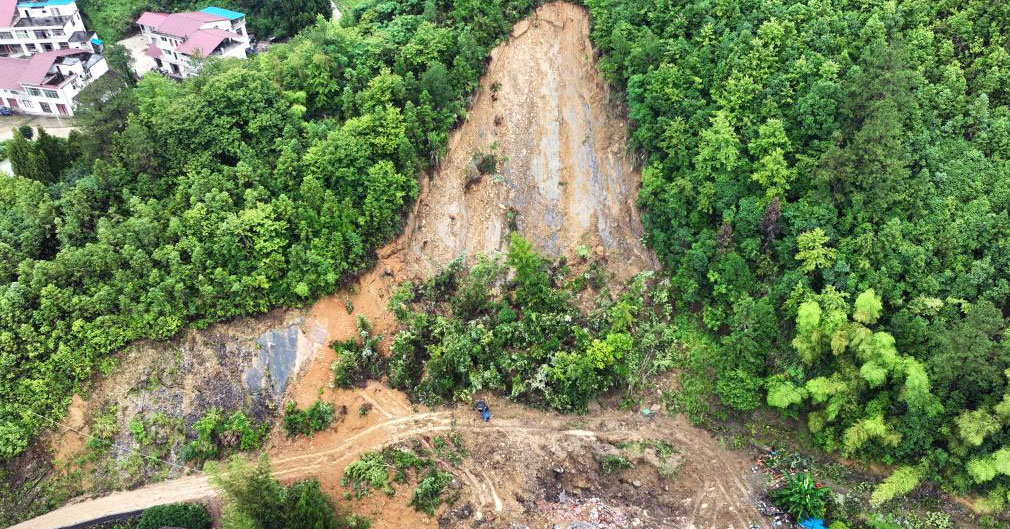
[47, 83]
[176, 40]
[28, 27]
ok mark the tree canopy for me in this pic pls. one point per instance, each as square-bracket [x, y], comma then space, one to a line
[844, 166]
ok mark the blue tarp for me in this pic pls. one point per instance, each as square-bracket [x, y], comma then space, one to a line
[812, 523]
[486, 415]
[222, 12]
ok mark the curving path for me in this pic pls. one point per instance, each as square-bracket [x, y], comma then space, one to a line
[721, 494]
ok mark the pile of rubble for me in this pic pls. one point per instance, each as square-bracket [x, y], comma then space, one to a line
[592, 513]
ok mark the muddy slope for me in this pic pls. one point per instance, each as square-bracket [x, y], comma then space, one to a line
[567, 175]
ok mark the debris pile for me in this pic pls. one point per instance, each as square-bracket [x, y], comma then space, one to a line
[592, 513]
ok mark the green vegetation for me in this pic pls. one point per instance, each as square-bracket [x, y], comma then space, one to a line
[260, 183]
[801, 497]
[112, 19]
[428, 494]
[826, 184]
[358, 361]
[381, 470]
[513, 327]
[216, 435]
[181, 515]
[315, 418]
[253, 498]
[614, 463]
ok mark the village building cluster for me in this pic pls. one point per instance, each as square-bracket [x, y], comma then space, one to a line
[47, 55]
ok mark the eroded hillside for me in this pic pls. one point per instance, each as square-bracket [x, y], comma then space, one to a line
[563, 179]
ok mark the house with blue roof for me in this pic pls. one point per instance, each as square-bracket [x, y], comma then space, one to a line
[179, 41]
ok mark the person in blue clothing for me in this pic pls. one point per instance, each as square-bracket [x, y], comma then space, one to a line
[485, 412]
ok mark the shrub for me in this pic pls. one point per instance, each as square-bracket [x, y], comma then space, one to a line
[184, 515]
[428, 494]
[216, 434]
[358, 360]
[307, 506]
[254, 498]
[315, 418]
[801, 497]
[366, 473]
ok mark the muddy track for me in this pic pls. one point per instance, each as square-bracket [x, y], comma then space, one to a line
[726, 499]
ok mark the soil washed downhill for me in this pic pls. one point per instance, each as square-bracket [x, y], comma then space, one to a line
[568, 181]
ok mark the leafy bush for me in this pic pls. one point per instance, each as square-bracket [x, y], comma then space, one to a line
[358, 360]
[182, 515]
[428, 494]
[254, 498]
[368, 472]
[315, 418]
[801, 497]
[216, 435]
[379, 470]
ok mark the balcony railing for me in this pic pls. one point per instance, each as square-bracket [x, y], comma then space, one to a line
[39, 22]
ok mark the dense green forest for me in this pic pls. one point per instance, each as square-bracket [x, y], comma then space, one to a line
[827, 184]
[265, 18]
[260, 183]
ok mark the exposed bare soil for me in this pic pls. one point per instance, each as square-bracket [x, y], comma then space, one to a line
[570, 183]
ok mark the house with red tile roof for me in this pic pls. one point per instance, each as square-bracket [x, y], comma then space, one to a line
[178, 41]
[28, 27]
[47, 83]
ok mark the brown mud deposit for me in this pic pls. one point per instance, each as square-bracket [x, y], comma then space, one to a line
[570, 183]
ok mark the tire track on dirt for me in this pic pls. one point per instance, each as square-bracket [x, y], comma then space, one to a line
[707, 507]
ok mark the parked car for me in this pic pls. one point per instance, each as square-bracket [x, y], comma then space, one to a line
[6, 111]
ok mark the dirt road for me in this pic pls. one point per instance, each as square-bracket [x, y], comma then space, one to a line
[711, 490]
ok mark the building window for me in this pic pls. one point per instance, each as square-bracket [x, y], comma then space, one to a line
[46, 108]
[6, 35]
[21, 33]
[34, 92]
[51, 94]
[57, 32]
[27, 104]
[64, 45]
